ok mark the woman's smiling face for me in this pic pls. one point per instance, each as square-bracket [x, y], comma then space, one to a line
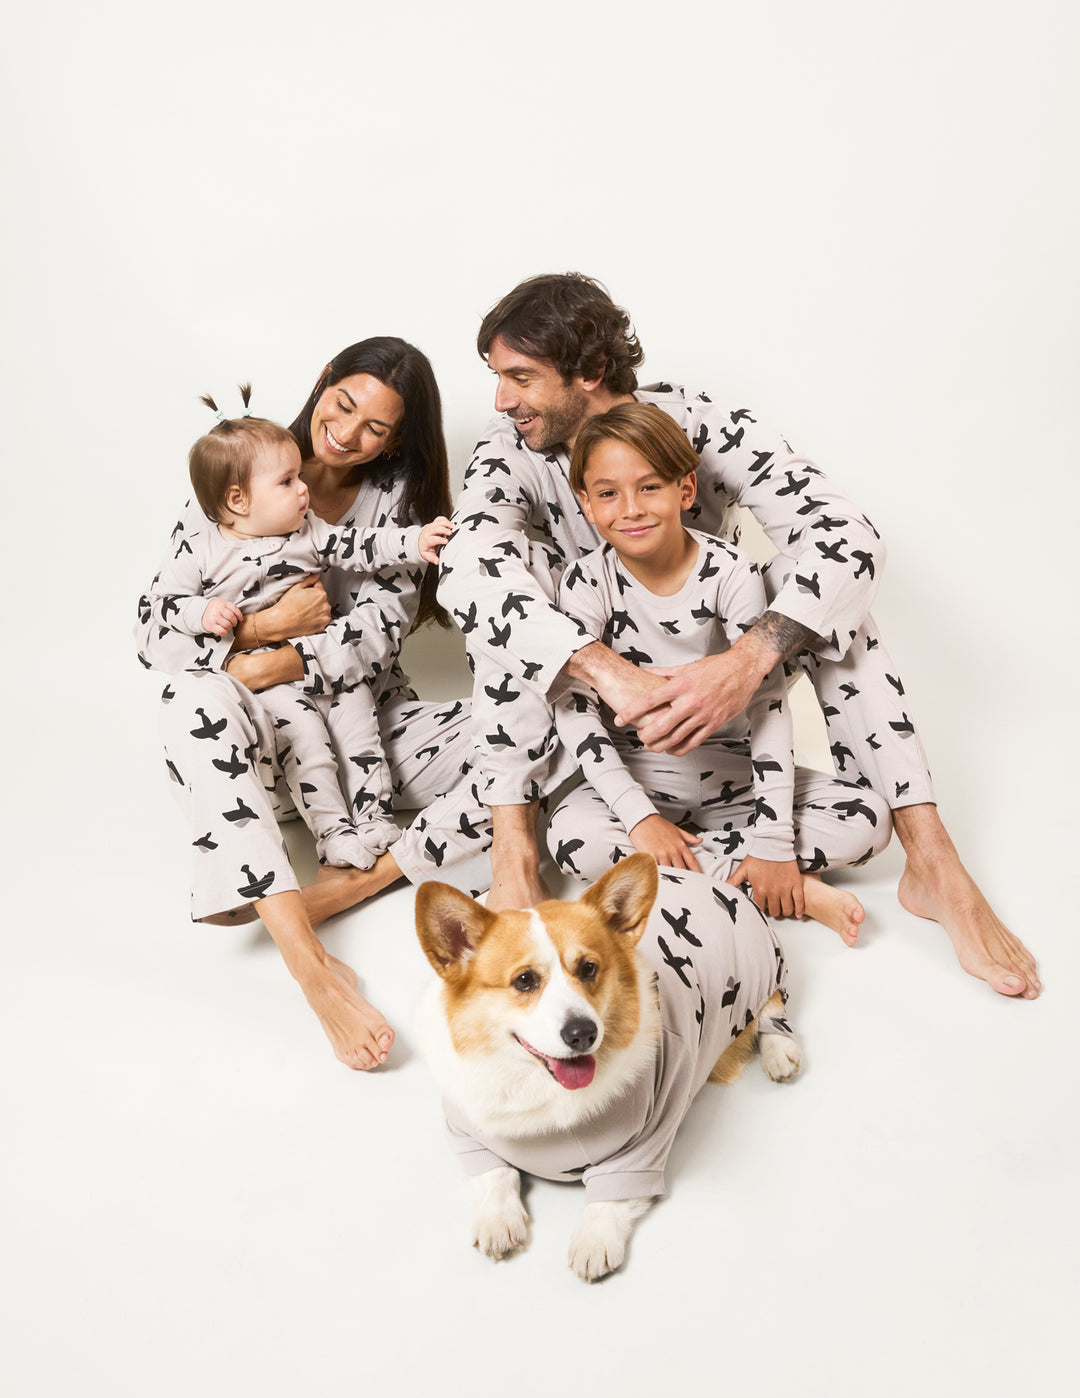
[354, 421]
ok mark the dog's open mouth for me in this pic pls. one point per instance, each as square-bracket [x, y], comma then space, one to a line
[567, 1072]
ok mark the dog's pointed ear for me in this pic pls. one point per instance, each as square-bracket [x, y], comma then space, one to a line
[449, 924]
[625, 895]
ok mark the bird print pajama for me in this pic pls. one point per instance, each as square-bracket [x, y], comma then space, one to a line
[224, 746]
[330, 749]
[740, 790]
[519, 526]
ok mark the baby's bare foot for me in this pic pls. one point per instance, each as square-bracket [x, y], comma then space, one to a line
[359, 1035]
[833, 907]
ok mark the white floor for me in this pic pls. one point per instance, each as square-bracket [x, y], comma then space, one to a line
[201, 1200]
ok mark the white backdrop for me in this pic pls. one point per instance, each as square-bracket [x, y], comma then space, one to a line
[859, 221]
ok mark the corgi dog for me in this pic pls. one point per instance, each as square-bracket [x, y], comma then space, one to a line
[555, 1054]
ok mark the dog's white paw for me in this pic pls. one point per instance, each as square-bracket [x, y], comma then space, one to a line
[780, 1056]
[500, 1223]
[599, 1245]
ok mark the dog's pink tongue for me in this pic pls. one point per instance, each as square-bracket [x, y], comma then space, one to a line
[574, 1072]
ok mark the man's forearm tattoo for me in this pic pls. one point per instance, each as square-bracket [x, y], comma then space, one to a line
[786, 636]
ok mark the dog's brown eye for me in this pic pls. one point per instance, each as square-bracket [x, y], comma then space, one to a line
[587, 971]
[526, 982]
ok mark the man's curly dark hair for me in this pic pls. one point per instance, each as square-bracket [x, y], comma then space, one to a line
[571, 321]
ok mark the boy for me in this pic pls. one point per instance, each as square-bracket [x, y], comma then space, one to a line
[661, 595]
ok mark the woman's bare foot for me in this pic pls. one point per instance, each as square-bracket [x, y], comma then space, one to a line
[935, 885]
[833, 907]
[334, 890]
[359, 1035]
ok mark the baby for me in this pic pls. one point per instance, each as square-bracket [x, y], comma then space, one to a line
[736, 808]
[260, 541]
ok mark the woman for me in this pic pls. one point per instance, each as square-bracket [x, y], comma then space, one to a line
[374, 454]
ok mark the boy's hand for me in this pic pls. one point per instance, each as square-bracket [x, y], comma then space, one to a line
[219, 617]
[777, 885]
[433, 536]
[665, 842]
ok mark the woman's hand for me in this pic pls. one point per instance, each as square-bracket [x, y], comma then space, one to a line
[301, 611]
[433, 536]
[266, 667]
[665, 842]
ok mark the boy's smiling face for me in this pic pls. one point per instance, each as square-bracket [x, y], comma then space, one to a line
[634, 509]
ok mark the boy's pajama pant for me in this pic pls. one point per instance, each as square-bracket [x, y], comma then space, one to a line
[710, 792]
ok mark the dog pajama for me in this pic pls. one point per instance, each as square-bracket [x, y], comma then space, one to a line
[710, 989]
[519, 526]
[740, 788]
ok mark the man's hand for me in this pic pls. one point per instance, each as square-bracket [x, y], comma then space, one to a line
[777, 885]
[219, 617]
[692, 701]
[665, 842]
[615, 680]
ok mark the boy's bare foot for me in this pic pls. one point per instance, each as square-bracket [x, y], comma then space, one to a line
[359, 1035]
[833, 907]
[935, 885]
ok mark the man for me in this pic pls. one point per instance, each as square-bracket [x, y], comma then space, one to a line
[564, 352]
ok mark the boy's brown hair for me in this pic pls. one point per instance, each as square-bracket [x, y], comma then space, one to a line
[223, 457]
[647, 429]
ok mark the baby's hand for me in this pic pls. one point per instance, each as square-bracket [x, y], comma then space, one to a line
[433, 536]
[777, 885]
[665, 842]
[219, 617]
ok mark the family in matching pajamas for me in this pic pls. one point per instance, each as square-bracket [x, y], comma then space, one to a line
[523, 578]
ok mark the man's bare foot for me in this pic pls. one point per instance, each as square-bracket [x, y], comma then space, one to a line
[833, 907]
[935, 885]
[334, 890]
[359, 1035]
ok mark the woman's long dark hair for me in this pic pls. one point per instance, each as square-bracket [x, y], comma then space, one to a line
[419, 461]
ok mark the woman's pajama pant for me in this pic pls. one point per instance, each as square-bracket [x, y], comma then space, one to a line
[222, 752]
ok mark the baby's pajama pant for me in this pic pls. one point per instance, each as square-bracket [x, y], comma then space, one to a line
[330, 750]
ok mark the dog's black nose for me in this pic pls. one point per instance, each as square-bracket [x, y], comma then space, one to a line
[579, 1034]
